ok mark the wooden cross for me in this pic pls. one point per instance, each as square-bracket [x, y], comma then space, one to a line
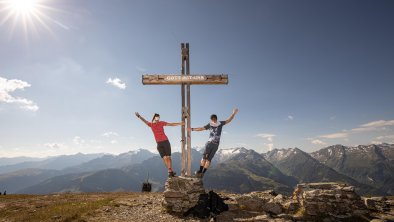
[185, 80]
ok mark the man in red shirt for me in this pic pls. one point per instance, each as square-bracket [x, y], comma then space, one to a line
[163, 145]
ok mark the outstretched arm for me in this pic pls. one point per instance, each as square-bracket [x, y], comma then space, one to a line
[175, 124]
[235, 111]
[196, 129]
[142, 118]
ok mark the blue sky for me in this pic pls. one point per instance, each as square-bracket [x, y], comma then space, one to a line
[304, 74]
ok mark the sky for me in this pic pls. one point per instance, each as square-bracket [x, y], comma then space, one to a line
[306, 74]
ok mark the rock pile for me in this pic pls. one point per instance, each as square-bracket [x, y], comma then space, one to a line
[309, 202]
[339, 200]
[267, 201]
[181, 193]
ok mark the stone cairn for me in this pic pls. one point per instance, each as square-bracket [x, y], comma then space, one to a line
[181, 193]
[335, 199]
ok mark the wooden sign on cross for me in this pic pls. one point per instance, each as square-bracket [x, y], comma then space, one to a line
[185, 80]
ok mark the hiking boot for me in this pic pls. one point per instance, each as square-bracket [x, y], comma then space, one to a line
[171, 174]
[198, 174]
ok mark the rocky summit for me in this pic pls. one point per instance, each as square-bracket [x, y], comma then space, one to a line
[328, 202]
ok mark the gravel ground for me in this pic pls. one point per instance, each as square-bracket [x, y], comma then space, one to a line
[144, 207]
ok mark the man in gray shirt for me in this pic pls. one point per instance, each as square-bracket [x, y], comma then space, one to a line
[215, 131]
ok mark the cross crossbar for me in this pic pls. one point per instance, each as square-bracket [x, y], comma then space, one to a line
[195, 79]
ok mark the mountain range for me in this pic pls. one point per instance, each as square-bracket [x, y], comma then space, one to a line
[307, 169]
[369, 168]
[372, 164]
[53, 163]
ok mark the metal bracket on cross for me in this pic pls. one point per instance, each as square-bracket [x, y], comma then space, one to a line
[186, 112]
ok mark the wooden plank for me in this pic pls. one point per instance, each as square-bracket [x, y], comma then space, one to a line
[195, 79]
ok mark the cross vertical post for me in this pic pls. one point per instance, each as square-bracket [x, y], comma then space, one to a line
[189, 143]
[186, 142]
[183, 140]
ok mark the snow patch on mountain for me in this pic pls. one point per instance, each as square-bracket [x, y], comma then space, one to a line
[225, 154]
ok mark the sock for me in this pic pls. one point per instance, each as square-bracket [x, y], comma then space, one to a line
[201, 167]
[205, 170]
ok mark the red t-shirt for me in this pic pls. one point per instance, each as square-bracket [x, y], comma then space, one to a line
[158, 130]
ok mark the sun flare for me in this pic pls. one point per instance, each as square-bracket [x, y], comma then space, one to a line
[23, 6]
[29, 16]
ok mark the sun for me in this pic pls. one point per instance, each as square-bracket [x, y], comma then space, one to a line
[24, 7]
[29, 16]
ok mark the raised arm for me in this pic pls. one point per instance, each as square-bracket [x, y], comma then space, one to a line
[142, 118]
[235, 111]
[175, 124]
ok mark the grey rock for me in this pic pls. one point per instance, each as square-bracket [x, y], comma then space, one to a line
[272, 207]
[254, 201]
[181, 193]
[335, 199]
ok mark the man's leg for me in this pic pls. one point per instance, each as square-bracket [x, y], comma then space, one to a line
[206, 165]
[208, 158]
[202, 163]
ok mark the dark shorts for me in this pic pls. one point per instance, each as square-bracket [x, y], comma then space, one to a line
[164, 148]
[210, 150]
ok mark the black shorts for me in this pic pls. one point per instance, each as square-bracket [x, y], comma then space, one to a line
[210, 150]
[164, 148]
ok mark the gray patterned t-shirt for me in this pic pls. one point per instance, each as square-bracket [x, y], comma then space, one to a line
[215, 131]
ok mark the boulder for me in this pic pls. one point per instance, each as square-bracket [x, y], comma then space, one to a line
[335, 199]
[181, 193]
[254, 201]
[272, 207]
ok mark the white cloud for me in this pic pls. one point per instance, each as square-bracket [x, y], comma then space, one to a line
[335, 135]
[114, 141]
[54, 145]
[117, 83]
[362, 129]
[373, 126]
[376, 142]
[379, 123]
[385, 137]
[267, 136]
[9, 86]
[289, 117]
[318, 142]
[78, 140]
[109, 134]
